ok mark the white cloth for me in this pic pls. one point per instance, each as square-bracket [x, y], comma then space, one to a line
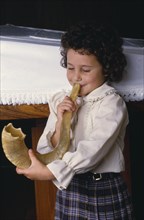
[30, 72]
[132, 85]
[97, 138]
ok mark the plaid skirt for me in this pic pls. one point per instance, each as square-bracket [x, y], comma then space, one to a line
[88, 199]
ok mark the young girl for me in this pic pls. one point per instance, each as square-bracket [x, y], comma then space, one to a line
[88, 177]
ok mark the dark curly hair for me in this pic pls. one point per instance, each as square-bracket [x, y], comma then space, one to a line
[104, 42]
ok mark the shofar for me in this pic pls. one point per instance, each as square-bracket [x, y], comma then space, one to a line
[17, 152]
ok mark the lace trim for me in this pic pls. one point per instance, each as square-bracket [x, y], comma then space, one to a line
[132, 94]
[26, 97]
[42, 97]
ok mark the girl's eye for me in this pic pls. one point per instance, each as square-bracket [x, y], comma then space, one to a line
[70, 68]
[86, 70]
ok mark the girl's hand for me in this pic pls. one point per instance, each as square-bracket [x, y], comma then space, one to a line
[66, 105]
[37, 170]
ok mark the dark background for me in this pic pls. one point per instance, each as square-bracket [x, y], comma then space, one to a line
[126, 15]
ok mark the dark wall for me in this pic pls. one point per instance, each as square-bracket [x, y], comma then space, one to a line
[136, 141]
[126, 15]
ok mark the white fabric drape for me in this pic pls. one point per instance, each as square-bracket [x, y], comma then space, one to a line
[30, 70]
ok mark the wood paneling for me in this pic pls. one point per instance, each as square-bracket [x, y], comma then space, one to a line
[45, 191]
[12, 112]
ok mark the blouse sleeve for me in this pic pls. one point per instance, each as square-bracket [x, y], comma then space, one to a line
[44, 144]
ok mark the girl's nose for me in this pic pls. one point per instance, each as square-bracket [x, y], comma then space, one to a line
[77, 76]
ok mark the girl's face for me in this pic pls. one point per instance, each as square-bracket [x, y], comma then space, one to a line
[85, 70]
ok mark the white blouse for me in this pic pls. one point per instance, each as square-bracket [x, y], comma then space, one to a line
[97, 135]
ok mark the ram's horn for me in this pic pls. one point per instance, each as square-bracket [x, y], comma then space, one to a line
[17, 152]
[14, 146]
